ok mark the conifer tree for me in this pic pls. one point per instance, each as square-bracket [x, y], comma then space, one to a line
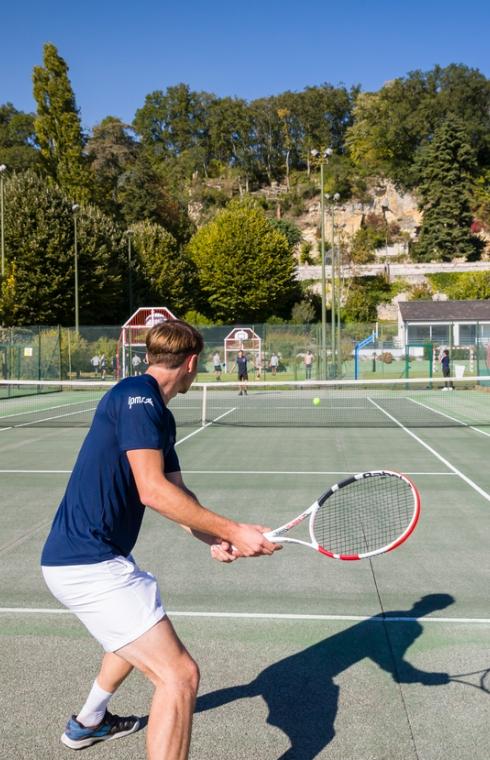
[446, 170]
[58, 128]
[39, 279]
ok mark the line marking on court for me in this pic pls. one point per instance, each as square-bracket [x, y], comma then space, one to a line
[442, 459]
[449, 417]
[45, 409]
[25, 536]
[268, 616]
[203, 427]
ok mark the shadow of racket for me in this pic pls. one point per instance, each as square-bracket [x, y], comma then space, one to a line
[480, 679]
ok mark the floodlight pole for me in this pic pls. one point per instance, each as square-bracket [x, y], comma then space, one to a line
[384, 210]
[75, 208]
[324, 155]
[324, 284]
[3, 169]
[129, 234]
[335, 298]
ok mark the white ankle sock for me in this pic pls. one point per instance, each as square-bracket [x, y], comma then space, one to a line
[94, 708]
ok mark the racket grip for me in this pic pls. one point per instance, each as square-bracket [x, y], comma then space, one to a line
[270, 536]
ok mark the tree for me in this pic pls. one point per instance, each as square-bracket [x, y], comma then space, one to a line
[363, 296]
[173, 125]
[17, 139]
[143, 195]
[245, 267]
[446, 167]
[291, 232]
[111, 151]
[230, 126]
[57, 126]
[39, 241]
[164, 274]
[393, 125]
[462, 285]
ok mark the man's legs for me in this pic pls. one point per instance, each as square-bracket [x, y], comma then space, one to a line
[162, 657]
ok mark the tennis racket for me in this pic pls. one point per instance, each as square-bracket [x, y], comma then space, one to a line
[482, 678]
[367, 514]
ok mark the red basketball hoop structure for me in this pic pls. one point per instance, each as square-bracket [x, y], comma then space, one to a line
[132, 340]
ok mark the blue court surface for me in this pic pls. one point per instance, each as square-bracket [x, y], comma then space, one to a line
[301, 656]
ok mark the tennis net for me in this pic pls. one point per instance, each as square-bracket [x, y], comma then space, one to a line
[342, 403]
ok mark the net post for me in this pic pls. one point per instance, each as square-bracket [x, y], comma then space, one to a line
[204, 404]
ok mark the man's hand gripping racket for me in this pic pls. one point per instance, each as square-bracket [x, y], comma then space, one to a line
[367, 514]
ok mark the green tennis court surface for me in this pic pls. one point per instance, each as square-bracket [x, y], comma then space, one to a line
[301, 657]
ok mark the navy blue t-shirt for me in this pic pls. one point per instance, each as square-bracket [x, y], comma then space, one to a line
[100, 514]
[241, 363]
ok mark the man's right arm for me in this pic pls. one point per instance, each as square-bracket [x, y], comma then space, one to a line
[159, 493]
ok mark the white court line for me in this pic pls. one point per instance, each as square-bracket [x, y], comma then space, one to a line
[267, 616]
[56, 417]
[442, 459]
[25, 536]
[205, 426]
[448, 416]
[46, 409]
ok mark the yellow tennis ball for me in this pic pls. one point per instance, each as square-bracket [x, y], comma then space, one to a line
[316, 401]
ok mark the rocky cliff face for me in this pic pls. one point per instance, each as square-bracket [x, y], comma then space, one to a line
[399, 208]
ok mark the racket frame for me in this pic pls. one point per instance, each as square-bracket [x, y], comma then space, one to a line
[279, 534]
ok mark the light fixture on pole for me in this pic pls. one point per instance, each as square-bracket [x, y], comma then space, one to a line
[322, 157]
[3, 169]
[75, 208]
[129, 235]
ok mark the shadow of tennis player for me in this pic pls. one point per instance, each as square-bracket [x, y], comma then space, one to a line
[300, 691]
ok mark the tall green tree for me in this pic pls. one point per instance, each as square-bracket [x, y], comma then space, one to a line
[446, 169]
[17, 139]
[173, 124]
[393, 125]
[58, 128]
[144, 194]
[39, 243]
[111, 151]
[164, 274]
[245, 267]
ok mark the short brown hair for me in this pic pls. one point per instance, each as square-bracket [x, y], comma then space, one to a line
[171, 342]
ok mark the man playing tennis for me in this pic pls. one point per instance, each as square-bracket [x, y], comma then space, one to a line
[127, 462]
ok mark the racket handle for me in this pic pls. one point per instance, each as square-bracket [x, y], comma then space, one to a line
[270, 536]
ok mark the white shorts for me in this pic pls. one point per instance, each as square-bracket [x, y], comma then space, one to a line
[115, 600]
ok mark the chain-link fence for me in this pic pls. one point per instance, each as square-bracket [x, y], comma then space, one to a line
[364, 351]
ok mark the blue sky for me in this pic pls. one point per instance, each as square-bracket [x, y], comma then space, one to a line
[118, 52]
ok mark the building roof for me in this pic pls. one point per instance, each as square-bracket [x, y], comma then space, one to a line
[444, 311]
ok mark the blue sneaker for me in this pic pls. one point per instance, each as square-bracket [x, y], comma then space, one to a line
[77, 736]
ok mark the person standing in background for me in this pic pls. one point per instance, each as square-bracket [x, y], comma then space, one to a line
[308, 364]
[241, 365]
[446, 370]
[217, 365]
[274, 362]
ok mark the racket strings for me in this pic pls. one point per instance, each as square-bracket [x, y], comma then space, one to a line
[365, 515]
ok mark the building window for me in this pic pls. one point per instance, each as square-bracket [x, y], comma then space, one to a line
[467, 335]
[418, 334]
[440, 334]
